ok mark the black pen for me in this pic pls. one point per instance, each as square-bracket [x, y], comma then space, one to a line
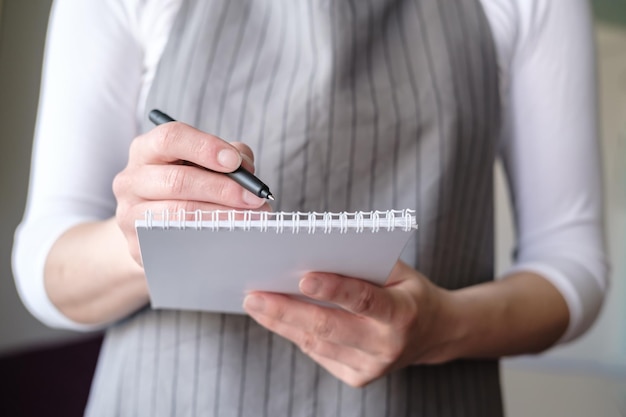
[242, 176]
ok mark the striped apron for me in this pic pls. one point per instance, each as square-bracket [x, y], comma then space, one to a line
[348, 105]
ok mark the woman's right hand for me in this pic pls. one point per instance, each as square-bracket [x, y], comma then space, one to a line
[156, 179]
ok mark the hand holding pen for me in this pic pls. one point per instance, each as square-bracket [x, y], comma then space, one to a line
[175, 166]
[241, 175]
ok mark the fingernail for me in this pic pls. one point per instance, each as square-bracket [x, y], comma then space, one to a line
[254, 303]
[252, 200]
[229, 158]
[310, 285]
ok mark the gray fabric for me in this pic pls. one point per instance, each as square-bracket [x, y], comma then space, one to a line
[348, 105]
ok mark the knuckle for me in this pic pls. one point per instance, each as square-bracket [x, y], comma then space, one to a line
[307, 343]
[167, 135]
[176, 180]
[365, 300]
[223, 190]
[277, 312]
[135, 147]
[392, 353]
[120, 184]
[322, 326]
[226, 191]
[122, 187]
[203, 147]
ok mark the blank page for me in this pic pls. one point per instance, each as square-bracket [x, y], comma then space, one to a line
[211, 262]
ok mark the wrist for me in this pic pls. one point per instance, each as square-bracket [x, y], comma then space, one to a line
[519, 314]
[91, 278]
[470, 319]
[448, 328]
[465, 323]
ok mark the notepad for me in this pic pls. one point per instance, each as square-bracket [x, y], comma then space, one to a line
[209, 261]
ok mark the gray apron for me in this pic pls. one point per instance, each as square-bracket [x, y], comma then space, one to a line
[348, 105]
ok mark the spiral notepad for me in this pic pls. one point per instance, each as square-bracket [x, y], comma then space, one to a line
[208, 261]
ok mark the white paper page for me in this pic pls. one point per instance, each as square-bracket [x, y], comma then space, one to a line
[210, 270]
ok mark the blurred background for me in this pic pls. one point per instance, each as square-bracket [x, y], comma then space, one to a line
[47, 372]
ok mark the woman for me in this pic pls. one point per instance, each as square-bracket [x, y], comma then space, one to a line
[347, 106]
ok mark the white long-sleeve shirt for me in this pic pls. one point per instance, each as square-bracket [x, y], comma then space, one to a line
[94, 88]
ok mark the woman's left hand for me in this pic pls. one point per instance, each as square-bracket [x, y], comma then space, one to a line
[376, 329]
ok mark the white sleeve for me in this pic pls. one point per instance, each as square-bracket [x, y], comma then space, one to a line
[551, 155]
[86, 119]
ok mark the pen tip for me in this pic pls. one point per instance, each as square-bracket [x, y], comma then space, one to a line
[270, 197]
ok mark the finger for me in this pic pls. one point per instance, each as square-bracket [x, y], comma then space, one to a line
[355, 295]
[173, 207]
[175, 141]
[181, 182]
[283, 314]
[356, 360]
[350, 364]
[246, 154]
[344, 372]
